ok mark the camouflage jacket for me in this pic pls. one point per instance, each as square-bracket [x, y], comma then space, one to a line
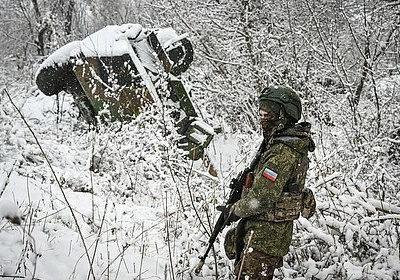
[284, 161]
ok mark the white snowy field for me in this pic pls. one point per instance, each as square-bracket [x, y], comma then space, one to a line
[126, 213]
[122, 201]
[146, 212]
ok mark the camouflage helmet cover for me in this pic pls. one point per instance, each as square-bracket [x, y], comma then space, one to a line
[285, 96]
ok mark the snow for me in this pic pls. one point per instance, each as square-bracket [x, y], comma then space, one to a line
[254, 204]
[57, 242]
[317, 233]
[200, 131]
[114, 40]
[109, 41]
[145, 211]
[136, 212]
[167, 35]
[125, 234]
[61, 56]
[173, 39]
[204, 126]
[354, 272]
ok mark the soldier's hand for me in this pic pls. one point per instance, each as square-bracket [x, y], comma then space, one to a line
[229, 216]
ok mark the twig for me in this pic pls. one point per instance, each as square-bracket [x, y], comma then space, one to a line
[18, 39]
[213, 249]
[244, 255]
[192, 201]
[122, 260]
[6, 180]
[16, 276]
[329, 57]
[30, 229]
[108, 258]
[124, 248]
[141, 261]
[101, 226]
[168, 241]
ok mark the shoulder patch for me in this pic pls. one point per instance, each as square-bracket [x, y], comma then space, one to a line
[269, 174]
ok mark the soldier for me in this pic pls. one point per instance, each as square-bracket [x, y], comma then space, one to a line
[277, 195]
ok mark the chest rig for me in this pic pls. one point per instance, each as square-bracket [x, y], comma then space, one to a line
[295, 199]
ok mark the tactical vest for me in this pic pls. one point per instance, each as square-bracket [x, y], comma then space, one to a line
[295, 198]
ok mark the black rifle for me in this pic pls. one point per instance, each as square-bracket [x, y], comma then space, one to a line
[236, 187]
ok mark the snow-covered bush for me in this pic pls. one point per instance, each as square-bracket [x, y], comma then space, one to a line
[143, 209]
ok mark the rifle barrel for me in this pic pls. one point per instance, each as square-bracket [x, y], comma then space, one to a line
[219, 226]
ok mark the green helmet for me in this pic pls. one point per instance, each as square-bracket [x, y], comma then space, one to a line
[285, 96]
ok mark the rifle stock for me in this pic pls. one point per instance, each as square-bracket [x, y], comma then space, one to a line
[235, 194]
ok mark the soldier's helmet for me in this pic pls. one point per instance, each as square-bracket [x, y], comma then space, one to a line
[285, 96]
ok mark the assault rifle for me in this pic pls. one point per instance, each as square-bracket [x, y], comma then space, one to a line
[236, 185]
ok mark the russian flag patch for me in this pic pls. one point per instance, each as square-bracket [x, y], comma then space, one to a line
[269, 174]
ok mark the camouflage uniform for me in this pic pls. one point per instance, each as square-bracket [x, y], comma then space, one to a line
[284, 161]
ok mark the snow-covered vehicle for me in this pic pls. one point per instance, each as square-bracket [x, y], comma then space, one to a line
[113, 73]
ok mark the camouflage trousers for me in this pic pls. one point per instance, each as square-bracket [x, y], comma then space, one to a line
[257, 265]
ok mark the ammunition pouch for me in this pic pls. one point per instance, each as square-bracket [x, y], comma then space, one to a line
[289, 207]
[309, 204]
[230, 244]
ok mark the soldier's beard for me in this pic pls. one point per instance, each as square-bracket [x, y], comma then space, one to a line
[270, 127]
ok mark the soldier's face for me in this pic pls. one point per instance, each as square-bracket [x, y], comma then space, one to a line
[267, 116]
[268, 121]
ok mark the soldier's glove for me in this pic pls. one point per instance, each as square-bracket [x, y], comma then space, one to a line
[229, 216]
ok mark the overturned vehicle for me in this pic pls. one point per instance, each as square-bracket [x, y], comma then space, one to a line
[115, 72]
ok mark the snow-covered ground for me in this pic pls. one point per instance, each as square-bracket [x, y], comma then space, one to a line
[117, 219]
[145, 211]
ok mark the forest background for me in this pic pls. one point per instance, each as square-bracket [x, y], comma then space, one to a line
[147, 212]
